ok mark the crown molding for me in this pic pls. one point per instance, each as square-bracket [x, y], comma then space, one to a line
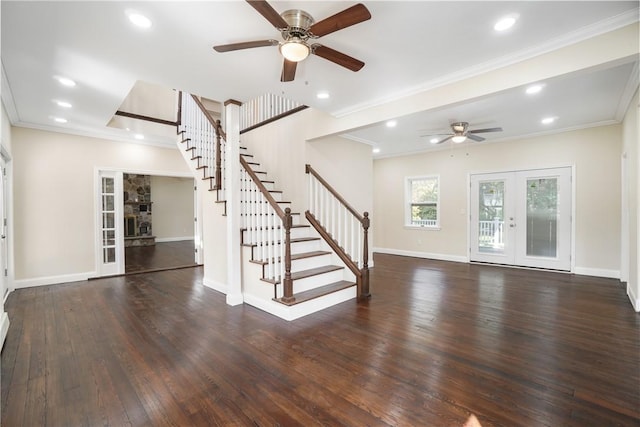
[627, 95]
[598, 28]
[108, 135]
[7, 97]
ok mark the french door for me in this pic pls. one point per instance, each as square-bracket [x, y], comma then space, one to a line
[110, 254]
[522, 218]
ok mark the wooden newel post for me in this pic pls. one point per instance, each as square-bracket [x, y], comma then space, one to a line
[218, 176]
[364, 292]
[287, 223]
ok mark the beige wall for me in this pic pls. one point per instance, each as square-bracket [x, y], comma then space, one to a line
[595, 153]
[630, 135]
[172, 207]
[54, 200]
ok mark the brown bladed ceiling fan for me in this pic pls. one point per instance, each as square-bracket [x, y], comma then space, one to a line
[297, 29]
[461, 132]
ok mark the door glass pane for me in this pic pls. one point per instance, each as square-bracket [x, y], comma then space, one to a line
[542, 217]
[491, 217]
[107, 202]
[108, 220]
[107, 185]
[109, 255]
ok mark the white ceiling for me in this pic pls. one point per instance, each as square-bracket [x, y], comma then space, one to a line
[407, 46]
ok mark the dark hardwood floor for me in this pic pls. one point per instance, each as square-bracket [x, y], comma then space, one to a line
[163, 255]
[437, 342]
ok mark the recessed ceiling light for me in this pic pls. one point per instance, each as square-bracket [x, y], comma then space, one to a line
[434, 140]
[138, 19]
[63, 104]
[548, 120]
[138, 136]
[533, 89]
[376, 150]
[322, 95]
[505, 22]
[59, 120]
[66, 81]
[392, 123]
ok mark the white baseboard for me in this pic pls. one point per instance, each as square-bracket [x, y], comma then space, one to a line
[215, 285]
[235, 299]
[52, 280]
[173, 239]
[4, 328]
[635, 301]
[597, 272]
[426, 255]
[306, 308]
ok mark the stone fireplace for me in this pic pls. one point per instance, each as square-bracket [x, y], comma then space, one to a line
[137, 210]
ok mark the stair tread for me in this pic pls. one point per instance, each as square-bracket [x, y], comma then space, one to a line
[269, 228]
[303, 255]
[307, 273]
[317, 292]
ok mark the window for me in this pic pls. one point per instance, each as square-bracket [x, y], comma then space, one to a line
[422, 201]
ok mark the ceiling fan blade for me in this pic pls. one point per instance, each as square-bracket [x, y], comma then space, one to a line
[486, 130]
[288, 71]
[474, 137]
[337, 57]
[446, 139]
[244, 45]
[269, 13]
[348, 17]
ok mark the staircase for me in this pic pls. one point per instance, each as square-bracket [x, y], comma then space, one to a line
[289, 268]
[318, 280]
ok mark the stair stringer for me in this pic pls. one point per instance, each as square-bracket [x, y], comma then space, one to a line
[213, 226]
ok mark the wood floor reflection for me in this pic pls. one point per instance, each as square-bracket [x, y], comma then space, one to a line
[438, 341]
[162, 255]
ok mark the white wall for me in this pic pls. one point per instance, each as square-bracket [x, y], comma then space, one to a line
[631, 153]
[173, 214]
[54, 200]
[595, 153]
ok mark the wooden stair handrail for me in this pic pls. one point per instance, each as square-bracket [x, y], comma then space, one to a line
[333, 244]
[262, 188]
[362, 274]
[310, 170]
[287, 224]
[215, 123]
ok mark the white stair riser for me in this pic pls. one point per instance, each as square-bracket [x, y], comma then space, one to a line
[313, 282]
[249, 237]
[262, 254]
[299, 264]
[309, 263]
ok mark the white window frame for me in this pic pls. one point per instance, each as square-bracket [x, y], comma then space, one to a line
[408, 203]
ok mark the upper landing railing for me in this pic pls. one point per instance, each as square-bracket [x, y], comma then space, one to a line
[266, 109]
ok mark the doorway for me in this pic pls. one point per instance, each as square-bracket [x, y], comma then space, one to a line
[522, 218]
[172, 240]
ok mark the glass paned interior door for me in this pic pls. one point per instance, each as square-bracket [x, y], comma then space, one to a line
[108, 220]
[542, 217]
[491, 216]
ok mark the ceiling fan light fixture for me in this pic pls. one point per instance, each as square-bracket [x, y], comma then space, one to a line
[294, 50]
[459, 138]
[434, 140]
